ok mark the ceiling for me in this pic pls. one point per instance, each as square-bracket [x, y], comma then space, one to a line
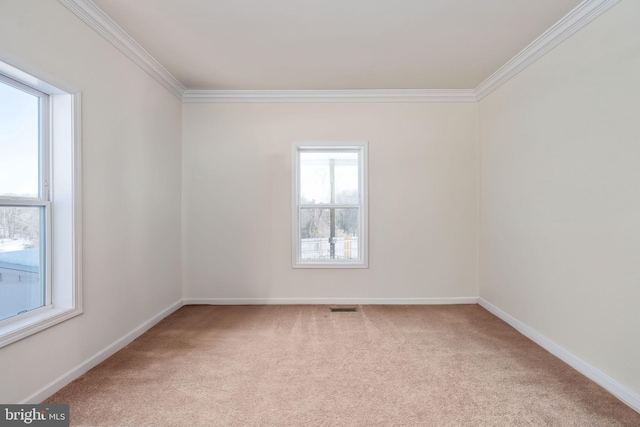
[334, 44]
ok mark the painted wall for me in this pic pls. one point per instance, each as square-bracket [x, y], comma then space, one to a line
[560, 167]
[423, 199]
[558, 148]
[132, 172]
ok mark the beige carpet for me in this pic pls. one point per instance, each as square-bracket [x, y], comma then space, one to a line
[305, 366]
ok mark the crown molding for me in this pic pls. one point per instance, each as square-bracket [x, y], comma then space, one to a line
[357, 95]
[95, 18]
[575, 20]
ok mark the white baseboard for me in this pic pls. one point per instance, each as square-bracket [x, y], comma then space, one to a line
[623, 393]
[330, 301]
[99, 357]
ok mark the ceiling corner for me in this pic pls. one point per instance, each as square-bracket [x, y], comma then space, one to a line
[95, 18]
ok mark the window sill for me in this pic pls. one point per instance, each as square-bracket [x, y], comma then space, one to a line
[330, 265]
[30, 324]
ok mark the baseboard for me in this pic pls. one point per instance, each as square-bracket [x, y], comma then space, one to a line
[330, 301]
[99, 357]
[626, 395]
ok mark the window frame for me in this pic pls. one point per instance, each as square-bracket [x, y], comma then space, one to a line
[43, 198]
[61, 197]
[363, 247]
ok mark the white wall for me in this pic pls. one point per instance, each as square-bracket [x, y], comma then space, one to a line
[560, 214]
[560, 241]
[423, 199]
[132, 172]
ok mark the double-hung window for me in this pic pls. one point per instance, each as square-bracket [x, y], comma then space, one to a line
[40, 204]
[329, 205]
[25, 208]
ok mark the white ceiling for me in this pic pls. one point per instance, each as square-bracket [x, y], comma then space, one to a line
[334, 44]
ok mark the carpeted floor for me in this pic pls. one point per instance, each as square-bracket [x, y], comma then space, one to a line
[305, 366]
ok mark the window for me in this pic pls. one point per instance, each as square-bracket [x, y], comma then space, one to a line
[25, 209]
[330, 205]
[40, 208]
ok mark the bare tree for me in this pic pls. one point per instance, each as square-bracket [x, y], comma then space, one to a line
[20, 223]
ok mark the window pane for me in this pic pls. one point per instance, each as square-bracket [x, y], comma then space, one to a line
[319, 169]
[346, 175]
[21, 240]
[315, 233]
[19, 142]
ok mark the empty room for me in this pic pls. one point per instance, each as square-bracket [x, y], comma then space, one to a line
[319, 213]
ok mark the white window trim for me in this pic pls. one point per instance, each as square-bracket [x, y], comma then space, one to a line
[363, 238]
[64, 250]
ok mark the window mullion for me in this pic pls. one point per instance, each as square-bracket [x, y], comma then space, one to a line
[330, 206]
[9, 202]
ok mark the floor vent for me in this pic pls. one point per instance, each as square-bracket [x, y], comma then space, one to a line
[343, 309]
